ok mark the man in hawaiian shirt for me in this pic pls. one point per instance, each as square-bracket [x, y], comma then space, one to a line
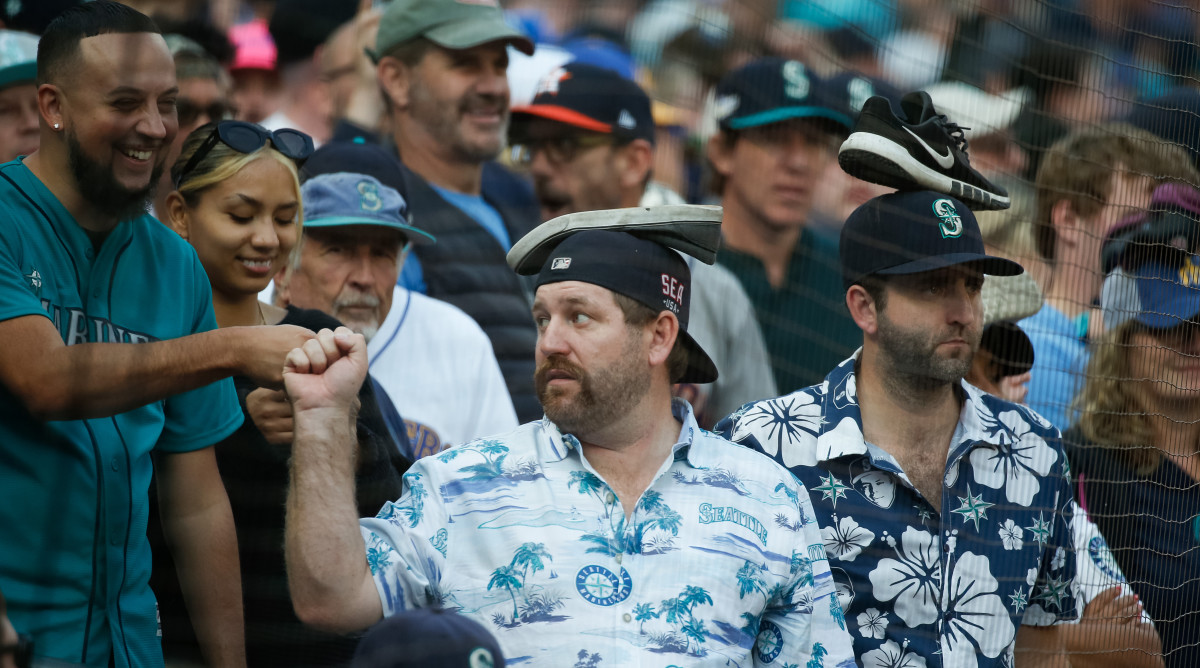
[944, 508]
[612, 532]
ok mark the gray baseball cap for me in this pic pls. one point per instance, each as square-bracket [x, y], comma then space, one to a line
[344, 198]
[18, 57]
[453, 24]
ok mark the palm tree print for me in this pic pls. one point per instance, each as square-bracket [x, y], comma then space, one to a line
[749, 580]
[530, 555]
[493, 452]
[694, 630]
[644, 612]
[506, 577]
[818, 656]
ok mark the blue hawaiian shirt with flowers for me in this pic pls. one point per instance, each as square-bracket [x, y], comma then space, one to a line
[720, 563]
[919, 588]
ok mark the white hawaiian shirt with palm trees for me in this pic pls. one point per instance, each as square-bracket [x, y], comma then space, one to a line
[922, 589]
[721, 562]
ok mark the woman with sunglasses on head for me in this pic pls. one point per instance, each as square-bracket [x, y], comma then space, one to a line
[237, 201]
[1135, 452]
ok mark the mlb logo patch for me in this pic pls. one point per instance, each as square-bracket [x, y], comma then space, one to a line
[560, 263]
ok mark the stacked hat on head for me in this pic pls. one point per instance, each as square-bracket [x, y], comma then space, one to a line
[428, 638]
[589, 98]
[771, 90]
[18, 58]
[345, 198]
[914, 231]
[631, 252]
[451, 24]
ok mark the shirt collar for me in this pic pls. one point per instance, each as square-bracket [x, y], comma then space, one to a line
[700, 453]
[842, 436]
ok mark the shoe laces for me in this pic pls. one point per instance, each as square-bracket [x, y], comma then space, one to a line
[954, 130]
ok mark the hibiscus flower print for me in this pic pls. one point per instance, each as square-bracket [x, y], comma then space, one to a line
[780, 422]
[1022, 458]
[872, 623]
[913, 579]
[845, 539]
[1060, 558]
[976, 620]
[1012, 535]
[891, 655]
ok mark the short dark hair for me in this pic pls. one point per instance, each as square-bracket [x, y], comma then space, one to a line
[875, 285]
[60, 44]
[638, 314]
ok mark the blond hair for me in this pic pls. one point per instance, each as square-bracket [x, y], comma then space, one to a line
[1112, 413]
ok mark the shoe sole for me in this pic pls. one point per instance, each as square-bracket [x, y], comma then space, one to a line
[882, 161]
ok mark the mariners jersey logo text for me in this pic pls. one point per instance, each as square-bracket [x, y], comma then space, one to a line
[710, 514]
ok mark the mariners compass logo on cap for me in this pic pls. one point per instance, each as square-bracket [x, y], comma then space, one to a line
[951, 226]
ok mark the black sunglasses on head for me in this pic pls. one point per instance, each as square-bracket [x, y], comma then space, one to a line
[22, 651]
[246, 137]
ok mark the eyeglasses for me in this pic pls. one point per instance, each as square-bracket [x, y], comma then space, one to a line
[189, 111]
[246, 137]
[22, 651]
[558, 150]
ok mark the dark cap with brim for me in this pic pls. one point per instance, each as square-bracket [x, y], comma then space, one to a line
[640, 269]
[1011, 349]
[1168, 294]
[452, 24]
[911, 232]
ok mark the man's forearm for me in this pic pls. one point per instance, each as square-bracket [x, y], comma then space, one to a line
[1115, 645]
[328, 576]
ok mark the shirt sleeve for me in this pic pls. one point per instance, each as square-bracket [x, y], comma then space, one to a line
[208, 414]
[1052, 599]
[405, 543]
[18, 286]
[806, 619]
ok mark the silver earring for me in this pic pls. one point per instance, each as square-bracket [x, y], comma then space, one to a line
[56, 126]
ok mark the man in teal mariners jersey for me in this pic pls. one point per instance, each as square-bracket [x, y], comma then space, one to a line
[84, 275]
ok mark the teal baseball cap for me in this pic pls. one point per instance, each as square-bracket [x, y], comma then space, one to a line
[18, 57]
[452, 24]
[346, 198]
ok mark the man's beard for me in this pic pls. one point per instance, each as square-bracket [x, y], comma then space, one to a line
[99, 189]
[445, 124]
[602, 397]
[353, 297]
[912, 356]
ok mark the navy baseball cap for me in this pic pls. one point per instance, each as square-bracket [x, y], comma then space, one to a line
[591, 98]
[344, 198]
[428, 638]
[356, 158]
[770, 90]
[914, 231]
[1168, 294]
[640, 269]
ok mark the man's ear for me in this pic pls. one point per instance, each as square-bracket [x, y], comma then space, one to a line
[283, 284]
[50, 104]
[637, 159]
[395, 78]
[862, 309]
[719, 151]
[177, 214]
[663, 332]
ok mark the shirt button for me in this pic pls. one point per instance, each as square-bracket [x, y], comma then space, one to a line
[611, 498]
[627, 617]
[619, 557]
[945, 548]
[113, 463]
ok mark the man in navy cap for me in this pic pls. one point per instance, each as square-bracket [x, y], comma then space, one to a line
[614, 528]
[780, 125]
[961, 538]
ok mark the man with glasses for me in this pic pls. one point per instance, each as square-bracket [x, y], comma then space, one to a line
[780, 126]
[85, 275]
[203, 98]
[587, 140]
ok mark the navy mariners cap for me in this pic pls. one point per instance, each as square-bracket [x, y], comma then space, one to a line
[590, 98]
[428, 638]
[345, 198]
[1168, 293]
[357, 158]
[640, 269]
[914, 231]
[770, 90]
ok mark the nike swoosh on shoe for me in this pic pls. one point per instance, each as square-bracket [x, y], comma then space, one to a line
[944, 161]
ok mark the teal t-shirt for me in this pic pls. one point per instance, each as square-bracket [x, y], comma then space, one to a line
[804, 322]
[74, 560]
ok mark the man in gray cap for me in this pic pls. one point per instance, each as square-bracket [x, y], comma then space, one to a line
[612, 528]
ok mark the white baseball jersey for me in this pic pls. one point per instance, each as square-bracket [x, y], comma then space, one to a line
[437, 366]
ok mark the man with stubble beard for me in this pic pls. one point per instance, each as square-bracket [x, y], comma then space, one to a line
[111, 358]
[945, 510]
[442, 66]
